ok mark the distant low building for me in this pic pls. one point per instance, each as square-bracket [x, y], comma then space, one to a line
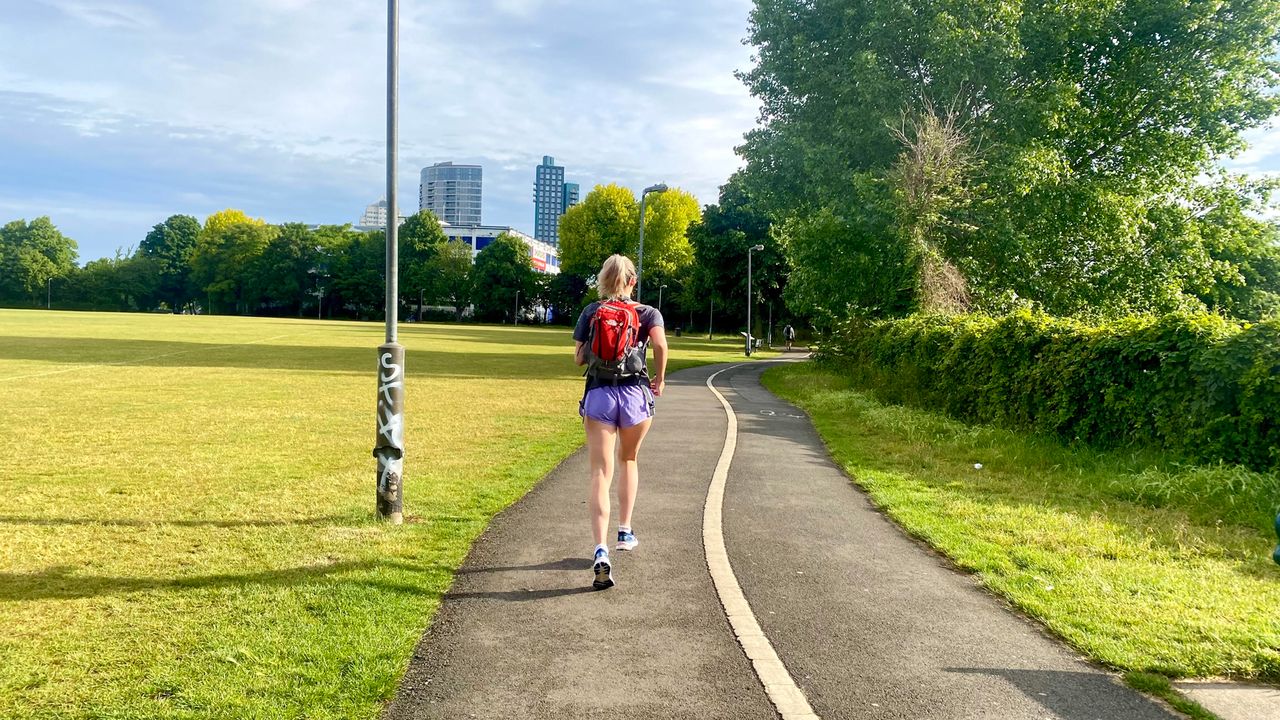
[375, 217]
[544, 255]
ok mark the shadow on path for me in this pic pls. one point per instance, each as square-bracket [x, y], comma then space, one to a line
[1073, 695]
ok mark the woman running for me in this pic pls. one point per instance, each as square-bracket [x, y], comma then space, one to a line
[611, 338]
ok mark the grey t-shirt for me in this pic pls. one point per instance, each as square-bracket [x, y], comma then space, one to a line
[649, 318]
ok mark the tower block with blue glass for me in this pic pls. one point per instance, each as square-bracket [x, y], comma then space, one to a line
[552, 196]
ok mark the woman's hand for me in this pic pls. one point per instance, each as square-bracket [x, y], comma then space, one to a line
[657, 385]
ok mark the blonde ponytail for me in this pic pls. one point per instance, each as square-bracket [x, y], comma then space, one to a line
[615, 278]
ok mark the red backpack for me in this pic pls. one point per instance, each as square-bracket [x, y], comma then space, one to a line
[614, 351]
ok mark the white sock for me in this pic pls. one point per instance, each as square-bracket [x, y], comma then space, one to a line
[599, 548]
[624, 528]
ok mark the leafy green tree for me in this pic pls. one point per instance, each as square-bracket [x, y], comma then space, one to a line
[605, 223]
[358, 269]
[419, 238]
[566, 295]
[720, 242]
[844, 265]
[667, 250]
[171, 244]
[1094, 120]
[450, 271]
[226, 250]
[283, 276]
[503, 269]
[121, 283]
[32, 254]
[332, 243]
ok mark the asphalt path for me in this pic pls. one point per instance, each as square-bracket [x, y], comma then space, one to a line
[869, 623]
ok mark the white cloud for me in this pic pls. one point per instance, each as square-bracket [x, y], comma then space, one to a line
[284, 99]
[110, 15]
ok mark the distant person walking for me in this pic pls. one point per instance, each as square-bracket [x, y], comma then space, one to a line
[789, 334]
[611, 339]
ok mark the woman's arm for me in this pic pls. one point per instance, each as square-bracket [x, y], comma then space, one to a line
[658, 339]
[579, 352]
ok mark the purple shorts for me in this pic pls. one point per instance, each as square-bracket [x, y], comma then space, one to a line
[618, 405]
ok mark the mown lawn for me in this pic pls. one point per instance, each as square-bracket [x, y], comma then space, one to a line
[1140, 563]
[186, 504]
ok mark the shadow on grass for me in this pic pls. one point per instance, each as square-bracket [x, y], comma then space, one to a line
[63, 583]
[1077, 695]
[335, 520]
[514, 365]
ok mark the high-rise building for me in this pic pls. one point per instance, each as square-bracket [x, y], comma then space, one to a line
[570, 195]
[551, 197]
[375, 217]
[452, 192]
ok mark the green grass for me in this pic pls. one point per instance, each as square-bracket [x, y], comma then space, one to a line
[186, 502]
[1141, 564]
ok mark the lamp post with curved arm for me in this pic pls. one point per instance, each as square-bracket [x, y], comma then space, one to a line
[754, 248]
[659, 188]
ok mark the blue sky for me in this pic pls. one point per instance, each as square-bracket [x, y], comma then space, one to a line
[115, 114]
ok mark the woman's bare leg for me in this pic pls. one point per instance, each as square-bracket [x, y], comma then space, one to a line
[630, 481]
[600, 443]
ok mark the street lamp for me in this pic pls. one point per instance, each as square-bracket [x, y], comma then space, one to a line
[660, 289]
[389, 446]
[754, 248]
[659, 188]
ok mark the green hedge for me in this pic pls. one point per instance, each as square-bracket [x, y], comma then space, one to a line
[1205, 387]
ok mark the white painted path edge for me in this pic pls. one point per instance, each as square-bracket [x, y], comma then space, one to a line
[778, 684]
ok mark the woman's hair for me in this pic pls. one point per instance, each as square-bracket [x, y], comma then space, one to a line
[616, 275]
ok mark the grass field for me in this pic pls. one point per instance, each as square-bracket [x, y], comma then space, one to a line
[185, 504]
[1141, 564]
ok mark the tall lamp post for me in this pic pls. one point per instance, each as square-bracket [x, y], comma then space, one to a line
[660, 289]
[389, 449]
[754, 248]
[659, 188]
[515, 319]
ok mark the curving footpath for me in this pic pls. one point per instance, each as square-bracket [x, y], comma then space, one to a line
[861, 621]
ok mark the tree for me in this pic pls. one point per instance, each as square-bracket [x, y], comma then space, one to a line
[32, 254]
[359, 270]
[1097, 119]
[419, 238]
[930, 182]
[450, 271]
[170, 245]
[667, 251]
[719, 243]
[605, 223]
[503, 269]
[566, 295]
[845, 265]
[283, 274]
[225, 251]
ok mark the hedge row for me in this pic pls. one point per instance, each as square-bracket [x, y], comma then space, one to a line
[1200, 385]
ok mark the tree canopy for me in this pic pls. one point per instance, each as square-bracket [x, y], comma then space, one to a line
[1089, 128]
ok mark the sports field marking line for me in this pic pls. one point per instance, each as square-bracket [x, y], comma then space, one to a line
[83, 366]
[778, 684]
